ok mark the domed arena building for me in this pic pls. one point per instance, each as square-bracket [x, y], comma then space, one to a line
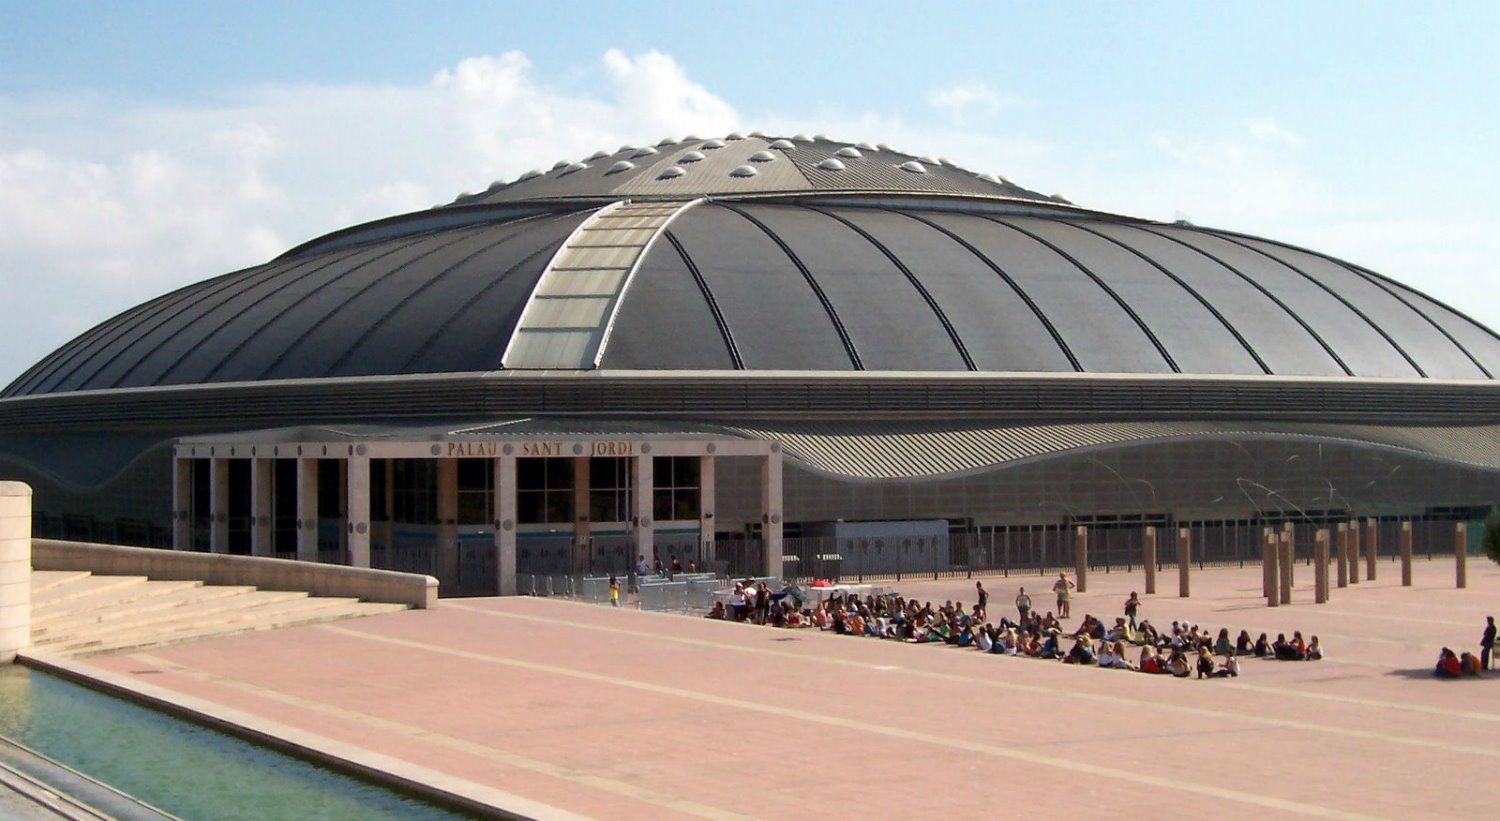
[767, 355]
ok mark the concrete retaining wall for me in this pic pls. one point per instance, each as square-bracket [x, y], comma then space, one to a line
[15, 569]
[412, 589]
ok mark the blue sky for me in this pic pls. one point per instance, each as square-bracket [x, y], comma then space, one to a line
[147, 145]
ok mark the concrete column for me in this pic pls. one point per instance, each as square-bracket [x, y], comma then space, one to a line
[15, 569]
[770, 505]
[1406, 554]
[706, 503]
[1290, 568]
[1271, 567]
[307, 510]
[1081, 557]
[218, 505]
[1461, 554]
[505, 524]
[1284, 568]
[1184, 561]
[643, 483]
[1148, 560]
[182, 504]
[581, 557]
[260, 507]
[1372, 543]
[1354, 551]
[1341, 554]
[357, 509]
[445, 552]
[1320, 566]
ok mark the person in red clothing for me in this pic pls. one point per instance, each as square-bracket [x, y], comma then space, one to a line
[1448, 665]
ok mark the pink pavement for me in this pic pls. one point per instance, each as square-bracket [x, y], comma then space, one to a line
[622, 714]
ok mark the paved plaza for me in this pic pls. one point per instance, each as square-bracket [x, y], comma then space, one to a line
[555, 708]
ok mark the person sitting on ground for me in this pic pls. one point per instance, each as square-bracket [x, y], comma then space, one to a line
[821, 617]
[1469, 663]
[1051, 646]
[717, 612]
[1298, 644]
[1285, 650]
[1150, 661]
[1243, 646]
[1117, 660]
[1205, 663]
[1222, 647]
[794, 618]
[1448, 665]
[1146, 633]
[1119, 632]
[1050, 621]
[1082, 652]
[1230, 667]
[1314, 650]
[1178, 665]
[1027, 645]
[1263, 647]
[984, 639]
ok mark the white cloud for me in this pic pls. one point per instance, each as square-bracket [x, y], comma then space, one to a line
[1265, 129]
[111, 202]
[958, 99]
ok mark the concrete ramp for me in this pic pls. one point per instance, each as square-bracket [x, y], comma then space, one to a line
[75, 613]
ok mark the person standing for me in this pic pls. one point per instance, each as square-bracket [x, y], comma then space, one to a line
[984, 598]
[1063, 588]
[614, 591]
[1487, 643]
[1023, 604]
[1132, 606]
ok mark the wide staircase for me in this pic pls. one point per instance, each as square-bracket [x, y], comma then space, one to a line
[75, 613]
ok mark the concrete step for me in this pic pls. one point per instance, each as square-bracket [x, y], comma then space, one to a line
[348, 609]
[210, 605]
[82, 587]
[44, 580]
[197, 595]
[108, 599]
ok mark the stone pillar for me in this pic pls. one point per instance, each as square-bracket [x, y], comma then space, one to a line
[643, 485]
[307, 510]
[1290, 568]
[1341, 554]
[1284, 568]
[1148, 560]
[182, 504]
[1184, 561]
[1372, 543]
[1320, 566]
[770, 505]
[1461, 554]
[389, 466]
[15, 569]
[218, 505]
[1081, 557]
[445, 552]
[582, 559]
[1406, 553]
[1354, 551]
[505, 525]
[261, 471]
[357, 509]
[1271, 567]
[706, 502]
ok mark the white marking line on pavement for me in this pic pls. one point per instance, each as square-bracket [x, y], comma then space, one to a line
[652, 796]
[1239, 684]
[1285, 805]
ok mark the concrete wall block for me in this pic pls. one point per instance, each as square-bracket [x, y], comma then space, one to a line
[15, 527]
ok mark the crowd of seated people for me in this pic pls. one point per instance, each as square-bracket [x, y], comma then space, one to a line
[1182, 650]
[1454, 665]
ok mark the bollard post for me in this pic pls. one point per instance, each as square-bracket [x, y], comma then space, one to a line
[1372, 542]
[1354, 551]
[1461, 554]
[1184, 559]
[1284, 570]
[1320, 567]
[1148, 560]
[1081, 557]
[1406, 553]
[15, 569]
[1289, 530]
[1271, 560]
[1341, 553]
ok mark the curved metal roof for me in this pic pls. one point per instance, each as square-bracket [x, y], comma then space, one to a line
[887, 270]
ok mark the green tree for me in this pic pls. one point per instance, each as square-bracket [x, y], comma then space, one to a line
[1492, 534]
